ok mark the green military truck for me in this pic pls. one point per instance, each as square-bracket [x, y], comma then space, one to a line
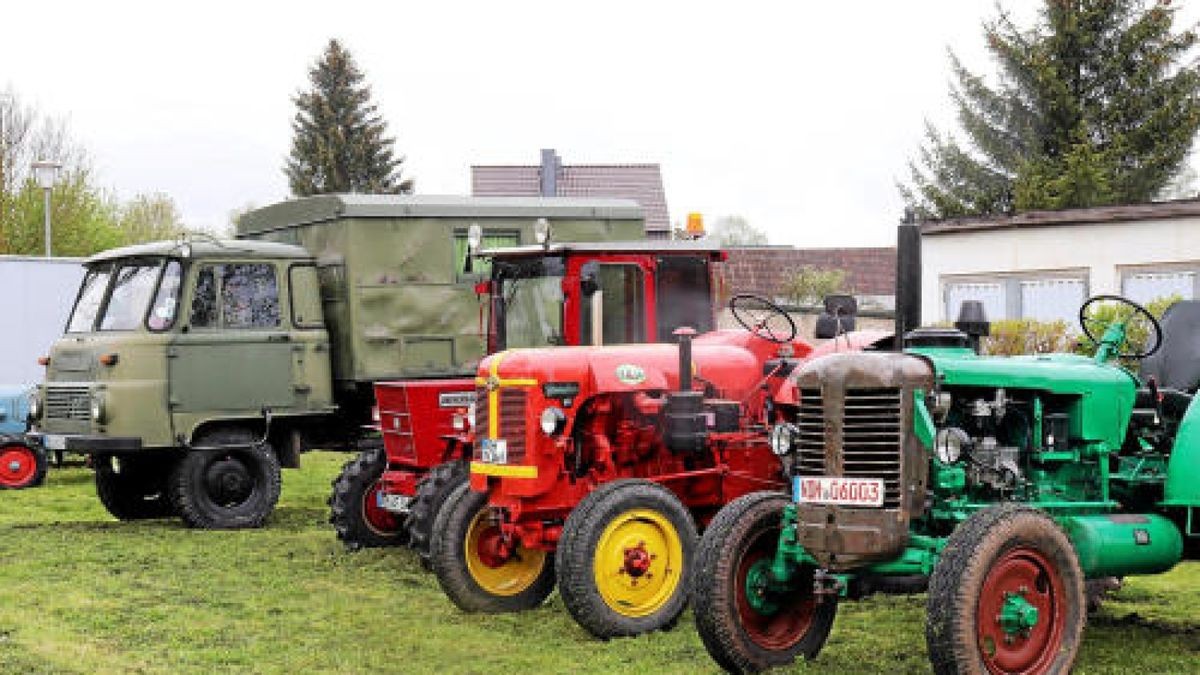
[191, 371]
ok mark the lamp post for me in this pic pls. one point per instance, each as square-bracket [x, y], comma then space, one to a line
[46, 172]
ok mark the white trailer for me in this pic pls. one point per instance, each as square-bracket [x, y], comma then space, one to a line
[36, 295]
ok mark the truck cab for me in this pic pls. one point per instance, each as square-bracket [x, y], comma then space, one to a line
[131, 382]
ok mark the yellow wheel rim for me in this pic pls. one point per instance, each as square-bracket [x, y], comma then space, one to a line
[638, 562]
[504, 577]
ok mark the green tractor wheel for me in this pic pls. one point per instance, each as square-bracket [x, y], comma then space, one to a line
[746, 624]
[1007, 596]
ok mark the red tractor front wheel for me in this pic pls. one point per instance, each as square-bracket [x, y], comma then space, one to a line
[21, 466]
[354, 509]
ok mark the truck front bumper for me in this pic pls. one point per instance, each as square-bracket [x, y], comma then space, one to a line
[86, 444]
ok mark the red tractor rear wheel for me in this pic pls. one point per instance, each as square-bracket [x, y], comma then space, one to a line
[746, 625]
[21, 466]
[1007, 596]
[624, 559]
[477, 568]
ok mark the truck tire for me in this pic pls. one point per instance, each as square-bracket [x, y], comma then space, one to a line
[742, 634]
[226, 488]
[468, 569]
[133, 487]
[354, 510]
[432, 491]
[21, 466]
[625, 557]
[997, 565]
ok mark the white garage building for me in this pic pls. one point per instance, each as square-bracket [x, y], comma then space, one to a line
[1043, 264]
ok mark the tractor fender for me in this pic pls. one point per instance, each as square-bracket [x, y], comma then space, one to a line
[1183, 468]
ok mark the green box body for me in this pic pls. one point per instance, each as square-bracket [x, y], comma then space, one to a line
[396, 301]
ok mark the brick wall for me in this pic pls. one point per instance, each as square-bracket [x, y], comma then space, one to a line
[764, 270]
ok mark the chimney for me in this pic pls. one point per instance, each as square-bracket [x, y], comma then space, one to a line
[550, 165]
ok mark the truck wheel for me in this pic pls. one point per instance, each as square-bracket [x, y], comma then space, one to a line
[21, 466]
[746, 625]
[354, 510]
[432, 491]
[133, 487]
[1006, 596]
[225, 488]
[625, 558]
[473, 567]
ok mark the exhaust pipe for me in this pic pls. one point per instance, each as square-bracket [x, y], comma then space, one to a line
[908, 280]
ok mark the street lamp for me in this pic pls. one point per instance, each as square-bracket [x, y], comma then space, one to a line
[46, 172]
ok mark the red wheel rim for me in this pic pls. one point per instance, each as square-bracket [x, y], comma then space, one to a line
[380, 520]
[1029, 574]
[786, 627]
[18, 466]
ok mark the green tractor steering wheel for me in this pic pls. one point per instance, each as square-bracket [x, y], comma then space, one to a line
[1114, 333]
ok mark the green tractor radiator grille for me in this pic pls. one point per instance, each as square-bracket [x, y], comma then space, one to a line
[859, 436]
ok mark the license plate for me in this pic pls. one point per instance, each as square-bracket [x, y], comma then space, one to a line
[395, 503]
[54, 442]
[838, 490]
[494, 450]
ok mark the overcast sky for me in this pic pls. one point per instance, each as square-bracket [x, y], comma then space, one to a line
[798, 116]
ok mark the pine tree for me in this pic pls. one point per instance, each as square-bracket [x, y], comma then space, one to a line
[1094, 106]
[340, 142]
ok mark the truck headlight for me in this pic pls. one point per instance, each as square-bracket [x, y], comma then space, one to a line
[98, 408]
[553, 420]
[783, 437]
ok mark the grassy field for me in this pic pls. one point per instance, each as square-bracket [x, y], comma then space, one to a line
[82, 593]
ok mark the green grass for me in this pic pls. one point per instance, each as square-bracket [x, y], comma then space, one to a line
[82, 593]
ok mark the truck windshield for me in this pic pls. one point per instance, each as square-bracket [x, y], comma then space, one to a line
[529, 310]
[117, 296]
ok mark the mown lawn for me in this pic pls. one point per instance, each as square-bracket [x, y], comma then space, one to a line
[82, 593]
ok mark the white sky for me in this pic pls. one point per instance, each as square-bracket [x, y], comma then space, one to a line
[798, 116]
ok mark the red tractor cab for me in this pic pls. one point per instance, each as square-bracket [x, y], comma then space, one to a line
[534, 296]
[601, 461]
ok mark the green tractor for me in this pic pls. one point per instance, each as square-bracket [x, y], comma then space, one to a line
[1004, 486]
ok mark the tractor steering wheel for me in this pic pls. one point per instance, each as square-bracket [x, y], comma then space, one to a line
[1085, 319]
[763, 318]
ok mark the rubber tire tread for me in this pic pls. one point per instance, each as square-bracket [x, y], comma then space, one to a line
[713, 598]
[40, 466]
[345, 502]
[962, 567]
[124, 494]
[198, 511]
[449, 563]
[576, 554]
[432, 491]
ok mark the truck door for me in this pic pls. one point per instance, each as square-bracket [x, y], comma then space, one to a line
[233, 356]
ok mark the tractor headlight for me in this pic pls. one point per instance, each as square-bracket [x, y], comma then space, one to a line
[553, 420]
[950, 444]
[35, 405]
[783, 438]
[98, 409]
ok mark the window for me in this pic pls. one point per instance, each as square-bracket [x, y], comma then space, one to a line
[166, 300]
[1043, 296]
[248, 296]
[1143, 286]
[481, 268]
[91, 294]
[619, 289]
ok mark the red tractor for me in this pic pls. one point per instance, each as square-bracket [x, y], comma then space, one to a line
[559, 294]
[600, 461]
